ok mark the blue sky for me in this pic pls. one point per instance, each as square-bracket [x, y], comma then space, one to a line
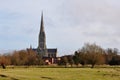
[68, 24]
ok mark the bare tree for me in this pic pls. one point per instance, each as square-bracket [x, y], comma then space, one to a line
[93, 54]
[109, 54]
[76, 58]
[64, 60]
[70, 60]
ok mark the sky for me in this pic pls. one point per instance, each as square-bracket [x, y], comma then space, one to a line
[68, 24]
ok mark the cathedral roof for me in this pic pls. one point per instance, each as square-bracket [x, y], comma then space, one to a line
[52, 50]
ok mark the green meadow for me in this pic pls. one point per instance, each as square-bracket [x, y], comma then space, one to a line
[34, 73]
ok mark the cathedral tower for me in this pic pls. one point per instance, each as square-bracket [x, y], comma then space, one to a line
[42, 49]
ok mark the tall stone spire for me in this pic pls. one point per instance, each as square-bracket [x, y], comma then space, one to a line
[42, 24]
[42, 49]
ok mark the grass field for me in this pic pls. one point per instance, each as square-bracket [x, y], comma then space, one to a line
[60, 74]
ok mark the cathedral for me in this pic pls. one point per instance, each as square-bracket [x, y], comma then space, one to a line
[49, 54]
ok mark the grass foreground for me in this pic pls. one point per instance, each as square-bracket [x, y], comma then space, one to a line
[60, 74]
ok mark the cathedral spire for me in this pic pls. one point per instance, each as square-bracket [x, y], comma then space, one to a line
[42, 36]
[42, 24]
[42, 49]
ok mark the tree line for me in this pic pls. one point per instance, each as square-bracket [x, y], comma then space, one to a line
[23, 57]
[89, 54]
[92, 54]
